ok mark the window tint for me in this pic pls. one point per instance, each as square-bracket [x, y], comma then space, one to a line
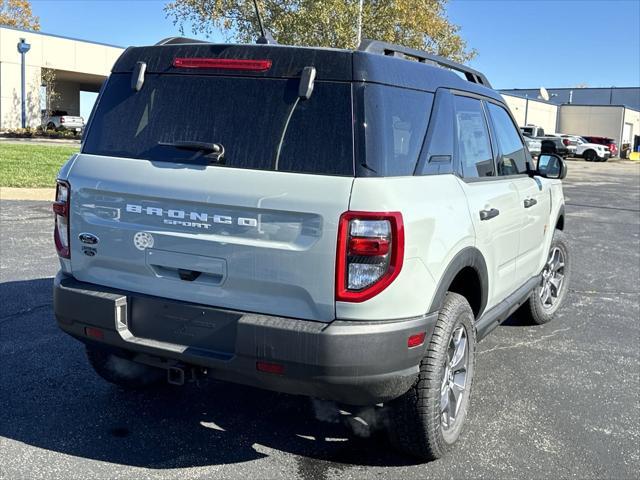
[247, 116]
[513, 159]
[393, 130]
[474, 146]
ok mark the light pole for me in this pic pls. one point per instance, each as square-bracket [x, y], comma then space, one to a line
[23, 48]
[359, 34]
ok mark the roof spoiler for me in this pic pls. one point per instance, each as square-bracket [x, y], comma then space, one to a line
[178, 40]
[384, 48]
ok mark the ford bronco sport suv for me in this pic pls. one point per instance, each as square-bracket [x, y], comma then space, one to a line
[339, 224]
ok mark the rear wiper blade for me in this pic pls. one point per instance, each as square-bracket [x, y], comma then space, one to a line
[216, 150]
[198, 146]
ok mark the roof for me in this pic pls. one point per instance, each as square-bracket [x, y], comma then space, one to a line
[288, 62]
[37, 32]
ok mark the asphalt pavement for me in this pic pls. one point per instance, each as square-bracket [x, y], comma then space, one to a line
[553, 401]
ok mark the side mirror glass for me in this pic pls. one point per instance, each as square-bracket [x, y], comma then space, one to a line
[551, 166]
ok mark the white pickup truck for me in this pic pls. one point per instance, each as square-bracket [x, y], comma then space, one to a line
[61, 120]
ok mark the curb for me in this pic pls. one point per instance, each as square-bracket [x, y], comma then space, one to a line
[37, 194]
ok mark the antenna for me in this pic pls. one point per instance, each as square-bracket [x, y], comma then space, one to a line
[265, 35]
[262, 35]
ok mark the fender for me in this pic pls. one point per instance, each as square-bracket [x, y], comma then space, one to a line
[467, 257]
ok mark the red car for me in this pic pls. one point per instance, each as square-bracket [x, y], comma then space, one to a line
[609, 142]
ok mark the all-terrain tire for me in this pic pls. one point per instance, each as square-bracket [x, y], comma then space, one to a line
[123, 372]
[535, 309]
[415, 419]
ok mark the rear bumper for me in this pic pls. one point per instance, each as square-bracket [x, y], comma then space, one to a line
[352, 362]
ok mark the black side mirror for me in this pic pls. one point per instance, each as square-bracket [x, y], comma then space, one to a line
[551, 166]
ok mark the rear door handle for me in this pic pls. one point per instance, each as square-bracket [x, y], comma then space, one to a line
[489, 214]
[530, 202]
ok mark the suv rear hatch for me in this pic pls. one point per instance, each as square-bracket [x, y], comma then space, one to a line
[256, 233]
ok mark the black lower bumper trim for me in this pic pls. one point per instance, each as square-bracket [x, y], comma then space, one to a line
[352, 362]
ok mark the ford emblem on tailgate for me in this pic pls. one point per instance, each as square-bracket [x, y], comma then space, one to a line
[88, 238]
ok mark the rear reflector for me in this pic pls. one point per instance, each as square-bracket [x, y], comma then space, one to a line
[416, 340]
[223, 63]
[94, 332]
[268, 367]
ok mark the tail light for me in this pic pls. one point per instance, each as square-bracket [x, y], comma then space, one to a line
[62, 120]
[61, 214]
[370, 254]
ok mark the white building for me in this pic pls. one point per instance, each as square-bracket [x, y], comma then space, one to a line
[597, 118]
[79, 66]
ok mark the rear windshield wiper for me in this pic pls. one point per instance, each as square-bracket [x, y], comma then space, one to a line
[215, 150]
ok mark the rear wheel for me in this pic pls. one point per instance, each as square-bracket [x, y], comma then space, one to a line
[123, 372]
[427, 420]
[548, 297]
[590, 155]
[51, 126]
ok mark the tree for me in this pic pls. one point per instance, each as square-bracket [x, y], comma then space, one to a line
[17, 13]
[48, 76]
[420, 24]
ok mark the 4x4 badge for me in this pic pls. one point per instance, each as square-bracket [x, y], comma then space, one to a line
[88, 238]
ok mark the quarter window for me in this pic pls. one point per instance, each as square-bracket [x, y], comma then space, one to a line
[472, 136]
[513, 159]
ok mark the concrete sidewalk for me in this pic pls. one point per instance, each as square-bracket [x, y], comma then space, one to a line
[11, 193]
[42, 141]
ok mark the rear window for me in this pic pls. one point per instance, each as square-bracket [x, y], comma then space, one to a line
[247, 116]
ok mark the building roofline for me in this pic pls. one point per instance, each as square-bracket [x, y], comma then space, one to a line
[540, 100]
[570, 88]
[60, 36]
[588, 105]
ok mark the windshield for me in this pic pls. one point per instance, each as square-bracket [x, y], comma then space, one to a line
[246, 116]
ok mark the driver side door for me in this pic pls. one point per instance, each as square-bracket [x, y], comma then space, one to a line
[534, 201]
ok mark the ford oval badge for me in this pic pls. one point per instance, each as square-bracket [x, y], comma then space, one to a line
[88, 238]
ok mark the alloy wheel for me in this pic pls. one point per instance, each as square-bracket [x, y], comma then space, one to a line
[454, 380]
[552, 279]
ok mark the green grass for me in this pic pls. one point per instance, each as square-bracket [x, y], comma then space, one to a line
[32, 166]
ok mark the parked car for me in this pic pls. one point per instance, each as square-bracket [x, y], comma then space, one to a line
[534, 145]
[607, 141]
[256, 245]
[570, 144]
[548, 143]
[61, 120]
[532, 131]
[591, 152]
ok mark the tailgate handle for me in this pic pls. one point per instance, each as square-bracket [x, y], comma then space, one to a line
[188, 275]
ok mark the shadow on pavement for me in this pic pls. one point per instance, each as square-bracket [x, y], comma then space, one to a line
[51, 399]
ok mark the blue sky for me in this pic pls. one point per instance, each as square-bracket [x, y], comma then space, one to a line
[551, 43]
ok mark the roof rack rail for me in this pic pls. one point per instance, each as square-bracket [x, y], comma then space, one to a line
[384, 48]
[178, 40]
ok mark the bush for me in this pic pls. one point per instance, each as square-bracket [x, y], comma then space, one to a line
[38, 132]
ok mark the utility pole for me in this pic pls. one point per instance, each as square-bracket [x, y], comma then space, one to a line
[23, 48]
[359, 35]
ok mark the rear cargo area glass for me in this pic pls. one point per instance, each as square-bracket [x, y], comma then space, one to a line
[247, 116]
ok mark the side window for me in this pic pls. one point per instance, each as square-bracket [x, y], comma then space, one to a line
[513, 159]
[472, 137]
[392, 130]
